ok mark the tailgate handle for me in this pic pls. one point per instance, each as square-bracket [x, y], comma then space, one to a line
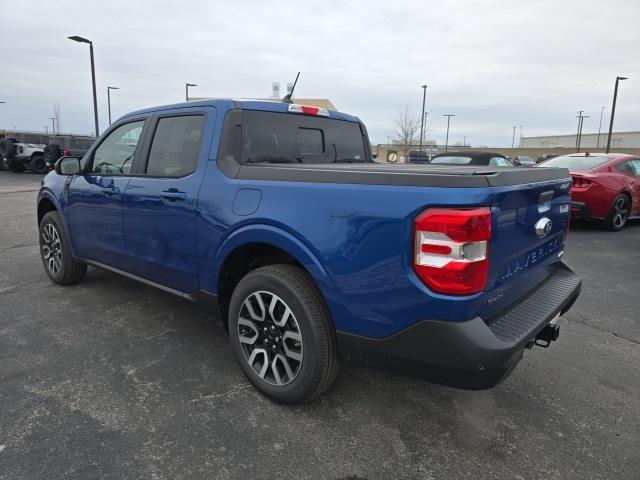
[544, 201]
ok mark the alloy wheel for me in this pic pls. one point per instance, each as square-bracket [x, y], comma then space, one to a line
[620, 212]
[270, 338]
[51, 248]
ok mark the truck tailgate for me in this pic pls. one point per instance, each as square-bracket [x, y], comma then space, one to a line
[529, 223]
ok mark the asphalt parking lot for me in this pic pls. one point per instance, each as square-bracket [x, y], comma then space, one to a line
[112, 379]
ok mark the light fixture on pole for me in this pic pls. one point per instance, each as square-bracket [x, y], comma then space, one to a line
[76, 38]
[109, 100]
[186, 89]
[424, 96]
[613, 110]
[446, 142]
[581, 118]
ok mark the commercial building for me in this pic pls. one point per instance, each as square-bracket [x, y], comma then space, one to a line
[587, 141]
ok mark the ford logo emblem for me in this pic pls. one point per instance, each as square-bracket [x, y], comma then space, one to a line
[543, 227]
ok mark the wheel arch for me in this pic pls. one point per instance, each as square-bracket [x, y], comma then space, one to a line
[257, 246]
[46, 204]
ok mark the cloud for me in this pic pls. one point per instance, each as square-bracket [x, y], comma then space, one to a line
[495, 64]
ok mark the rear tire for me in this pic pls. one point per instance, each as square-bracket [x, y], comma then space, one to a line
[618, 213]
[281, 334]
[37, 164]
[55, 253]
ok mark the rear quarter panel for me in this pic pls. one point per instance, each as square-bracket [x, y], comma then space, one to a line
[359, 235]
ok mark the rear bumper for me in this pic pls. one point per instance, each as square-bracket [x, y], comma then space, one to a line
[474, 354]
[580, 210]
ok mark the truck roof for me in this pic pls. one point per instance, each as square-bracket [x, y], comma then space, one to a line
[244, 104]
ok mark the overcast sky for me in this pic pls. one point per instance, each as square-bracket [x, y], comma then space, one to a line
[494, 64]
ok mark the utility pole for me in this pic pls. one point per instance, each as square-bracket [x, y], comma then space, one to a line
[600, 128]
[446, 142]
[520, 142]
[424, 96]
[513, 137]
[613, 110]
[53, 124]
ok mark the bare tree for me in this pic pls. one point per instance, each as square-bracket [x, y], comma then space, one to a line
[407, 128]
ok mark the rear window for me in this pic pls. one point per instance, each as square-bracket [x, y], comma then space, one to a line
[288, 138]
[575, 163]
[451, 160]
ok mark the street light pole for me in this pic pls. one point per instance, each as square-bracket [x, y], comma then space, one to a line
[613, 110]
[424, 96]
[186, 89]
[53, 124]
[513, 137]
[579, 117]
[446, 142]
[109, 100]
[599, 128]
[76, 38]
[580, 125]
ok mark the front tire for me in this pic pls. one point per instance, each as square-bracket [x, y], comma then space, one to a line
[619, 213]
[282, 335]
[54, 251]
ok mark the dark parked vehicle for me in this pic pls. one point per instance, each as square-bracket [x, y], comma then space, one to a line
[273, 215]
[489, 159]
[66, 146]
[417, 156]
[523, 161]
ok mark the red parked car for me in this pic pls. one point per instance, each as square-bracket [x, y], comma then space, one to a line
[606, 186]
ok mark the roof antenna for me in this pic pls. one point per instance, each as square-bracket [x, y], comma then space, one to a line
[287, 97]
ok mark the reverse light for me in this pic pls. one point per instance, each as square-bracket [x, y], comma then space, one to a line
[451, 251]
[308, 110]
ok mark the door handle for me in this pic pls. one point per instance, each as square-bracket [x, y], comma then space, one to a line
[174, 195]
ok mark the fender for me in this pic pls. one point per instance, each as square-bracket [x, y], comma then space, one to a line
[262, 233]
[278, 237]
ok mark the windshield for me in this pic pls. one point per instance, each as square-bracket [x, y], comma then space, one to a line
[453, 160]
[575, 162]
[269, 137]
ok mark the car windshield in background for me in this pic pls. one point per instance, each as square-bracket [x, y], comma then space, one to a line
[453, 160]
[575, 162]
[284, 138]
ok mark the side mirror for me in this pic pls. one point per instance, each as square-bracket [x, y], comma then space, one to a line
[68, 166]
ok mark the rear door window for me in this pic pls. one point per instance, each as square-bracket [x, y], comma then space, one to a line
[288, 138]
[175, 147]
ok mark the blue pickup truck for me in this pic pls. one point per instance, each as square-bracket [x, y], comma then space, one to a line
[274, 215]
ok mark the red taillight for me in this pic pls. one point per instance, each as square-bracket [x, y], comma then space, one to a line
[452, 249]
[66, 153]
[579, 182]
